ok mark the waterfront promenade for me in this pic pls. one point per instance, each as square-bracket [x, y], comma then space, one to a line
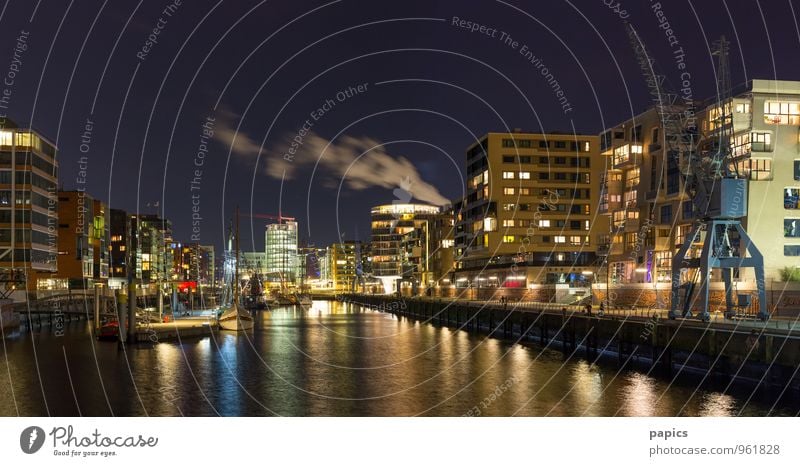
[751, 351]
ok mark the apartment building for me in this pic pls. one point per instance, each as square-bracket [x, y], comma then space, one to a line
[529, 216]
[28, 208]
[643, 193]
[396, 230]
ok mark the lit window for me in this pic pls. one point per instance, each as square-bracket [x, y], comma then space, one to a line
[508, 191]
[508, 238]
[560, 239]
[632, 178]
[508, 175]
[508, 223]
[489, 224]
[524, 175]
[781, 113]
[24, 139]
[621, 155]
[544, 223]
[6, 138]
[636, 149]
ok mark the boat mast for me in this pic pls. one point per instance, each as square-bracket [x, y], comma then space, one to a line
[236, 258]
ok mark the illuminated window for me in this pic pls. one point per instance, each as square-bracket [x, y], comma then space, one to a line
[24, 139]
[524, 191]
[630, 197]
[632, 178]
[6, 138]
[508, 191]
[122, 248]
[508, 175]
[560, 239]
[509, 207]
[575, 240]
[743, 108]
[781, 113]
[544, 223]
[621, 155]
[633, 214]
[489, 224]
[619, 218]
[508, 223]
[524, 175]
[756, 169]
[508, 238]
[636, 148]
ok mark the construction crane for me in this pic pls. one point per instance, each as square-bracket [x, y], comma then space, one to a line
[711, 181]
[280, 218]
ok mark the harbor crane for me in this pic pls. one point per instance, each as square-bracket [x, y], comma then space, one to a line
[717, 239]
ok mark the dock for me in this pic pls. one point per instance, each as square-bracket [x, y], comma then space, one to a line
[754, 352]
[176, 330]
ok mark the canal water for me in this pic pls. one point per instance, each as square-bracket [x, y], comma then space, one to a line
[340, 360]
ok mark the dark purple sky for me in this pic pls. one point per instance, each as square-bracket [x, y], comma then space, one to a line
[430, 89]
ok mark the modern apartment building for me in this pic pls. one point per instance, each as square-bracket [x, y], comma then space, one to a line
[28, 207]
[120, 249]
[529, 216]
[150, 236]
[344, 261]
[390, 224]
[643, 200]
[643, 193]
[76, 245]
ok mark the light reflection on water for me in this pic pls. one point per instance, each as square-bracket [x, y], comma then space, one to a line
[334, 359]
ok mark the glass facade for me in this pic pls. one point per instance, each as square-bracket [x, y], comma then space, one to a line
[281, 252]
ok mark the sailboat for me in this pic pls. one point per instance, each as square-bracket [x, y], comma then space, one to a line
[236, 317]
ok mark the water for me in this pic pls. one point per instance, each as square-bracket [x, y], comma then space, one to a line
[337, 360]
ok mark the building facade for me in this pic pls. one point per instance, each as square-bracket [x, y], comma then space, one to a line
[281, 260]
[345, 265]
[28, 208]
[396, 230]
[529, 214]
[644, 194]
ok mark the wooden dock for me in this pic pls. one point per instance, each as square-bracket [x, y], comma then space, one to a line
[175, 330]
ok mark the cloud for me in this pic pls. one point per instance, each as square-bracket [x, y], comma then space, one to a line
[361, 162]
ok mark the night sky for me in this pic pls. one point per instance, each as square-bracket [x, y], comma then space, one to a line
[262, 73]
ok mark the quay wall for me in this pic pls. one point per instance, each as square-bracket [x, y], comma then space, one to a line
[750, 354]
[783, 299]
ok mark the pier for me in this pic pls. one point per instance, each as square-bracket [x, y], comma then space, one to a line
[760, 353]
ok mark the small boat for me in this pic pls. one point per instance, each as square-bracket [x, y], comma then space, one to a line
[236, 317]
[109, 331]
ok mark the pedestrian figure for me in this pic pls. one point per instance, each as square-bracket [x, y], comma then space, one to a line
[589, 309]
